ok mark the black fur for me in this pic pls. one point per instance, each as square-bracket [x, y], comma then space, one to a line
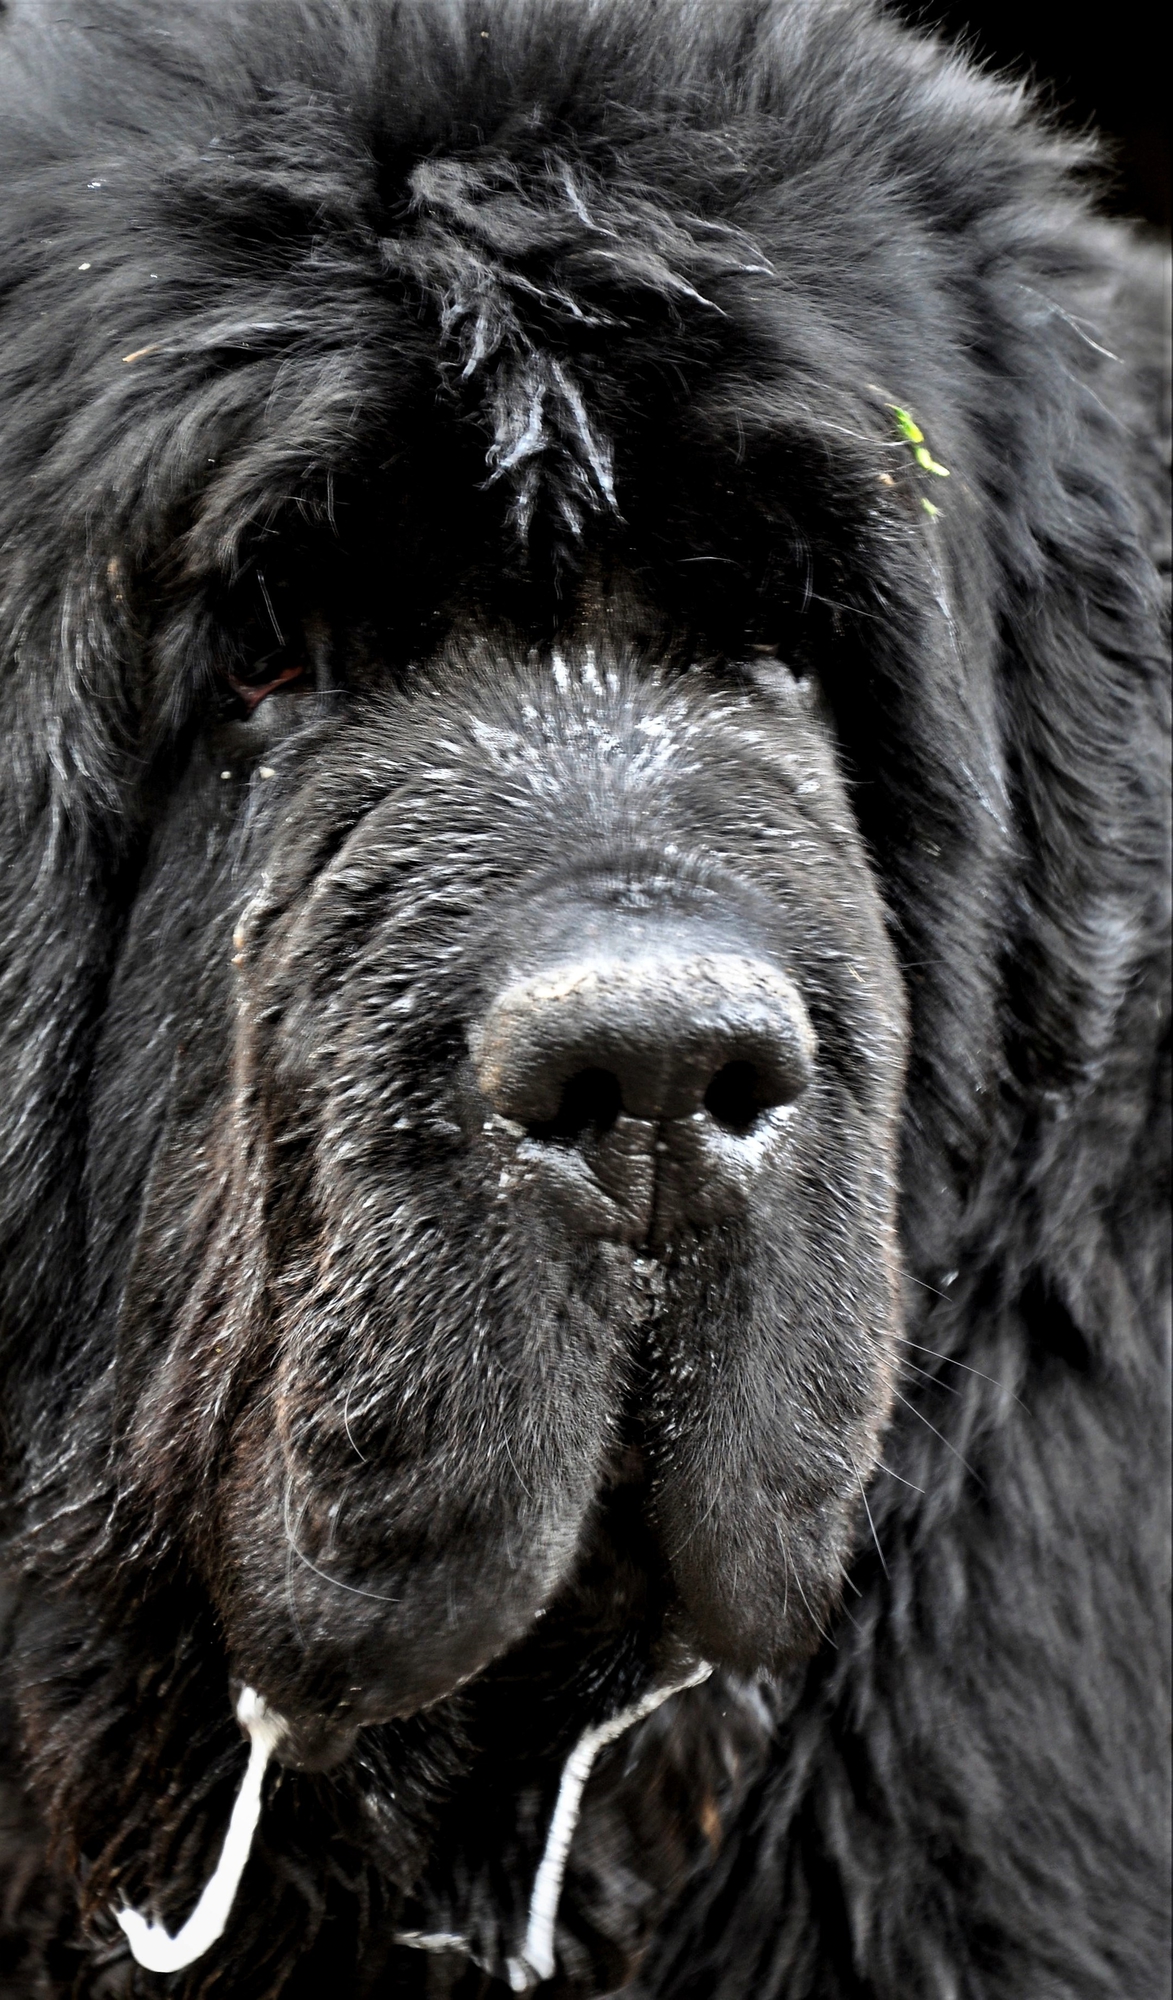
[512, 394]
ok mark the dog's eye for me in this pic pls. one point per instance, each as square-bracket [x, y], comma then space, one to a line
[270, 641]
[253, 691]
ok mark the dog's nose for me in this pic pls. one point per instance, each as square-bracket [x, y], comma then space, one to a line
[659, 1067]
[658, 1035]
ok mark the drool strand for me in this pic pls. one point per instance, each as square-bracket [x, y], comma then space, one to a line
[152, 1944]
[536, 1960]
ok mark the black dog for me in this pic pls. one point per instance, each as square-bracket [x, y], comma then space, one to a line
[584, 846]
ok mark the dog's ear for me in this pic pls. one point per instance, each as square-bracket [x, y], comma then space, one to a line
[108, 439]
[1084, 690]
[1052, 632]
[74, 484]
[68, 782]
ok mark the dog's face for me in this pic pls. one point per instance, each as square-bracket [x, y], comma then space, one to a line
[523, 1051]
[541, 546]
[521, 688]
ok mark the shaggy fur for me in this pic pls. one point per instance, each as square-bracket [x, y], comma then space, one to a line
[459, 494]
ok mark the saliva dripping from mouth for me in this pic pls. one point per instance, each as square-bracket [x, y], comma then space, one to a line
[152, 1944]
[156, 1950]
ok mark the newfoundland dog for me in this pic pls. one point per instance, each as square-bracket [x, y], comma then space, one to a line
[584, 823]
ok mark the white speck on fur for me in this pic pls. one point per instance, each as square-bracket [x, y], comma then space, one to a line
[432, 1940]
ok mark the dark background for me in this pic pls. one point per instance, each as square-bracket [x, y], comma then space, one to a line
[1099, 63]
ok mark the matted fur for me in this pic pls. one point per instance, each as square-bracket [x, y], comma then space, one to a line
[513, 392]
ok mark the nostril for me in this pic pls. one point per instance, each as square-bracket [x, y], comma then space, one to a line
[591, 1101]
[741, 1092]
[736, 1098]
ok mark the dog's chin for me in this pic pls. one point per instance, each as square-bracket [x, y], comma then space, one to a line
[610, 1637]
[608, 1634]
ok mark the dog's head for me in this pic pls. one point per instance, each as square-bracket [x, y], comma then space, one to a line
[502, 685]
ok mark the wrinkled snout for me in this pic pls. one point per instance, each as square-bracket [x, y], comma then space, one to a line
[583, 1158]
[648, 1073]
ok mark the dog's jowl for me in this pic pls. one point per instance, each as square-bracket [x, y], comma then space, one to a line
[584, 911]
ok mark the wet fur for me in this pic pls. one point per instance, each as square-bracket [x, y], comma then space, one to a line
[550, 379]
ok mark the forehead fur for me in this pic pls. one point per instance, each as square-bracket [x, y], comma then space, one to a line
[388, 251]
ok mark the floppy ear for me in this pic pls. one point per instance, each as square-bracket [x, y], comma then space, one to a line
[115, 401]
[1036, 988]
[75, 477]
[67, 831]
[1085, 694]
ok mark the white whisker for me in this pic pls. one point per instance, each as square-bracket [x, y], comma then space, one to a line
[940, 1434]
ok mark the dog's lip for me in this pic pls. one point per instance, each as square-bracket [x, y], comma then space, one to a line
[309, 1739]
[313, 1738]
[319, 1739]
[316, 1743]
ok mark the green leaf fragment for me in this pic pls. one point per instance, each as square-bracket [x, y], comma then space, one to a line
[933, 512]
[907, 426]
[912, 434]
